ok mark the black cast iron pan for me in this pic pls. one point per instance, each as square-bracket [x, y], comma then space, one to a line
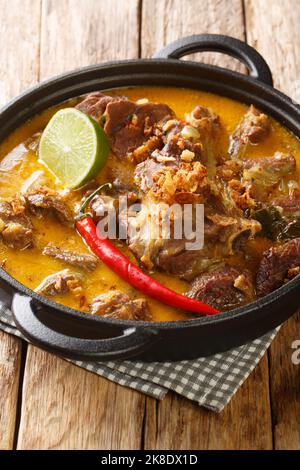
[77, 335]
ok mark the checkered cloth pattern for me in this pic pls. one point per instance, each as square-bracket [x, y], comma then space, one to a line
[210, 381]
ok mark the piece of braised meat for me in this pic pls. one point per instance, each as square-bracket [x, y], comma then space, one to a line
[103, 205]
[45, 201]
[95, 104]
[280, 163]
[254, 127]
[224, 289]
[174, 258]
[185, 183]
[176, 255]
[290, 205]
[80, 260]
[60, 283]
[15, 225]
[144, 172]
[182, 143]
[129, 125]
[17, 236]
[251, 181]
[204, 119]
[116, 304]
[278, 264]
[208, 125]
[190, 140]
[175, 172]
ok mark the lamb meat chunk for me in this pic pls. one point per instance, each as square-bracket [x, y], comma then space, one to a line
[178, 149]
[224, 288]
[144, 172]
[80, 260]
[228, 170]
[15, 225]
[276, 265]
[221, 232]
[172, 257]
[182, 143]
[145, 150]
[280, 163]
[43, 201]
[116, 304]
[60, 283]
[186, 183]
[128, 125]
[177, 154]
[253, 128]
[290, 205]
[204, 119]
[17, 236]
[6, 210]
[208, 126]
[14, 210]
[95, 104]
[103, 205]
[255, 179]
[183, 263]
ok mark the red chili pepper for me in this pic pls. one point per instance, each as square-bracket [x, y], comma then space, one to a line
[120, 264]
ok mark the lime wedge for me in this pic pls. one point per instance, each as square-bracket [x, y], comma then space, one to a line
[73, 146]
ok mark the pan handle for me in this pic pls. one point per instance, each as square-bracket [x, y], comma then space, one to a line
[256, 64]
[132, 341]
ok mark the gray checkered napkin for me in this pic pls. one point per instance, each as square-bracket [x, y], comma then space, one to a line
[210, 381]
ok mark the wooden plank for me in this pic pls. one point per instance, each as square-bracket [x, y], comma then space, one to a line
[20, 37]
[72, 39]
[273, 27]
[166, 21]
[10, 360]
[19, 34]
[285, 391]
[65, 407]
[175, 422]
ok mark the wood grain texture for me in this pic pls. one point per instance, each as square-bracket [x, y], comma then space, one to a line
[10, 359]
[65, 407]
[19, 37]
[176, 423]
[168, 20]
[20, 34]
[273, 28]
[76, 33]
[285, 387]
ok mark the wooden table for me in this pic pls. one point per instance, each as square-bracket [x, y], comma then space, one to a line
[46, 403]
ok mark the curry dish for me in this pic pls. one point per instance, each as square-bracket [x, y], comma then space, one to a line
[167, 145]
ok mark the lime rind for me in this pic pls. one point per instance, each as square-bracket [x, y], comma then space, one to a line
[73, 147]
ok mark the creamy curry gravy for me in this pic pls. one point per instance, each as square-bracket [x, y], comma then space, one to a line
[30, 266]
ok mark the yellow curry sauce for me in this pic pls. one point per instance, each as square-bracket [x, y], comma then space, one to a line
[30, 266]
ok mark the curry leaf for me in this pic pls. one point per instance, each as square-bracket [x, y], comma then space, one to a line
[274, 225]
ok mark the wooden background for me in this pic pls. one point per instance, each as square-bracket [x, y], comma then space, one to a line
[46, 403]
